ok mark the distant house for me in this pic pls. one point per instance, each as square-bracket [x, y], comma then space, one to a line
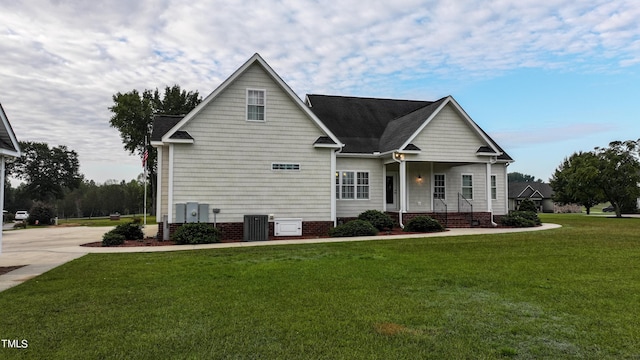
[9, 148]
[254, 153]
[540, 193]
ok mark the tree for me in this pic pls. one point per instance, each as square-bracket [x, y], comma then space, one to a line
[46, 171]
[619, 173]
[133, 116]
[520, 177]
[577, 181]
[605, 174]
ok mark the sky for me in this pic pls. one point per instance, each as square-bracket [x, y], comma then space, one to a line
[544, 79]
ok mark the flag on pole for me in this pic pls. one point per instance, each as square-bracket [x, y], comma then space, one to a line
[145, 156]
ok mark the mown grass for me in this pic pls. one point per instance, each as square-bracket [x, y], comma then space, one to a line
[573, 292]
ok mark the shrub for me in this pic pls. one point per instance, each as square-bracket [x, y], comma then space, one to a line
[521, 219]
[423, 224]
[112, 238]
[378, 219]
[40, 213]
[130, 231]
[354, 228]
[196, 233]
[527, 205]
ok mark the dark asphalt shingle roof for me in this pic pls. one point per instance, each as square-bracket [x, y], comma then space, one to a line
[164, 123]
[361, 122]
[368, 125]
[519, 189]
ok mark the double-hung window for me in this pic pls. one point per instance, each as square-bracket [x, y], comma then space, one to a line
[352, 185]
[467, 186]
[439, 186]
[256, 105]
[494, 188]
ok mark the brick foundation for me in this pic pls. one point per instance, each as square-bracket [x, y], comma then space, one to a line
[452, 219]
[232, 232]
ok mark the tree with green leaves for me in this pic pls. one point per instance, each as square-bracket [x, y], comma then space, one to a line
[520, 177]
[46, 171]
[619, 170]
[577, 181]
[605, 174]
[133, 116]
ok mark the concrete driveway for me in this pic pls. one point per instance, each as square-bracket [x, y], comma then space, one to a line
[42, 249]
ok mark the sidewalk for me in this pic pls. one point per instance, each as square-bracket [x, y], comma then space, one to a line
[42, 249]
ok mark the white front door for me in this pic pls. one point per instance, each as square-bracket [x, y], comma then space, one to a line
[439, 192]
[391, 191]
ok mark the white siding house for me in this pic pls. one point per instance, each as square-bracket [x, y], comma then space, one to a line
[254, 147]
[9, 148]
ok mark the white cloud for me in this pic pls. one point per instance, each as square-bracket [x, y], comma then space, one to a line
[62, 60]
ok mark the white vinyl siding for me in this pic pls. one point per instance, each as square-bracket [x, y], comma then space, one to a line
[448, 138]
[256, 105]
[371, 185]
[229, 165]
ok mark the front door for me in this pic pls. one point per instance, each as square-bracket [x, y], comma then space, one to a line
[391, 191]
[439, 193]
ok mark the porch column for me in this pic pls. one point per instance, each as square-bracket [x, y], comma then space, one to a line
[334, 218]
[489, 207]
[384, 187]
[170, 184]
[403, 186]
[159, 171]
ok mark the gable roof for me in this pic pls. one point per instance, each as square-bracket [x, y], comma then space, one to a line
[522, 190]
[370, 125]
[8, 142]
[162, 124]
[255, 59]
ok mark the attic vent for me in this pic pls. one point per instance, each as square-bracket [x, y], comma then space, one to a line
[285, 167]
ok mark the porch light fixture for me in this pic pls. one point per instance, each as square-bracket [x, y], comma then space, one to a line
[399, 156]
[419, 179]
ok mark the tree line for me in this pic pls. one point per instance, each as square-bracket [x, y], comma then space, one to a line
[88, 199]
[50, 177]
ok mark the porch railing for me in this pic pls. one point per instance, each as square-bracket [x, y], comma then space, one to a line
[465, 206]
[440, 206]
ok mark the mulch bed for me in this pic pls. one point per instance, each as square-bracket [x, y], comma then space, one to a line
[155, 242]
[6, 269]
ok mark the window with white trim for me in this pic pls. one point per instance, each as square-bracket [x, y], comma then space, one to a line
[439, 186]
[256, 105]
[285, 167]
[494, 187]
[352, 185]
[467, 186]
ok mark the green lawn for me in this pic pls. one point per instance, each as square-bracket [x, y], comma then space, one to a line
[573, 292]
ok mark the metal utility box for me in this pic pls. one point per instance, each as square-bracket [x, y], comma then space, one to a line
[287, 227]
[192, 212]
[256, 227]
[203, 213]
[181, 213]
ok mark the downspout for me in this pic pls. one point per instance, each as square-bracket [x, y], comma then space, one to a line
[401, 197]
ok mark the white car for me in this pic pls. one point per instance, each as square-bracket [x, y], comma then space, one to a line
[22, 215]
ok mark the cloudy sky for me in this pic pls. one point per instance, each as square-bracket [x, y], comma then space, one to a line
[543, 78]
